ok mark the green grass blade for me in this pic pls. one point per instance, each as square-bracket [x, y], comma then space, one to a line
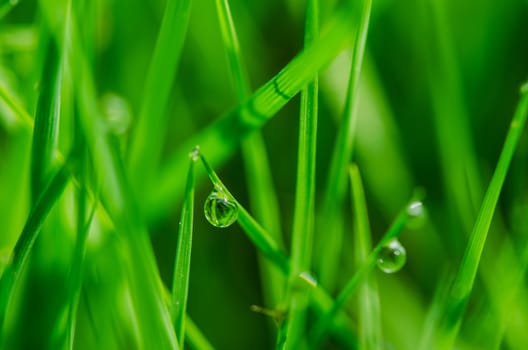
[256, 233]
[351, 286]
[465, 277]
[145, 283]
[76, 272]
[263, 241]
[29, 234]
[182, 265]
[220, 139]
[369, 304]
[334, 194]
[45, 133]
[304, 207]
[148, 135]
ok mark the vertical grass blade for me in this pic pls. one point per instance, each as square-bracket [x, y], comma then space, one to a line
[331, 217]
[460, 291]
[145, 284]
[29, 234]
[182, 265]
[148, 135]
[45, 133]
[304, 208]
[369, 305]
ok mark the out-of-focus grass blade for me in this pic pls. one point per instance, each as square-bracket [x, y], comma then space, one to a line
[148, 135]
[369, 304]
[454, 308]
[145, 284]
[322, 302]
[23, 118]
[182, 265]
[262, 194]
[331, 217]
[319, 330]
[304, 207]
[29, 234]
[220, 139]
[6, 6]
[45, 133]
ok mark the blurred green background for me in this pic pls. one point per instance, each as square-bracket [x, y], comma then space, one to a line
[408, 76]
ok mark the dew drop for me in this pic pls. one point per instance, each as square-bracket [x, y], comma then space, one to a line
[220, 209]
[415, 209]
[392, 257]
[307, 278]
[117, 113]
[524, 88]
[195, 153]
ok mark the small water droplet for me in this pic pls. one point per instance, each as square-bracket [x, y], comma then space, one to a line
[195, 153]
[308, 279]
[415, 209]
[117, 113]
[392, 257]
[524, 88]
[220, 209]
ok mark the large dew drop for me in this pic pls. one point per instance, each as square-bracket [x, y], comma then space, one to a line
[220, 209]
[392, 257]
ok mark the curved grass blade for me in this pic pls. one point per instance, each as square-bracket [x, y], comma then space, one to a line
[331, 213]
[322, 302]
[29, 234]
[220, 139]
[182, 265]
[369, 304]
[459, 293]
[148, 135]
[319, 330]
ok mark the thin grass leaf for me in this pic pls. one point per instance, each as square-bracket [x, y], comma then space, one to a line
[182, 265]
[45, 133]
[369, 304]
[148, 136]
[29, 234]
[304, 207]
[331, 213]
[145, 283]
[262, 194]
[76, 272]
[318, 331]
[460, 291]
[322, 302]
[457, 154]
[220, 139]
[258, 235]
